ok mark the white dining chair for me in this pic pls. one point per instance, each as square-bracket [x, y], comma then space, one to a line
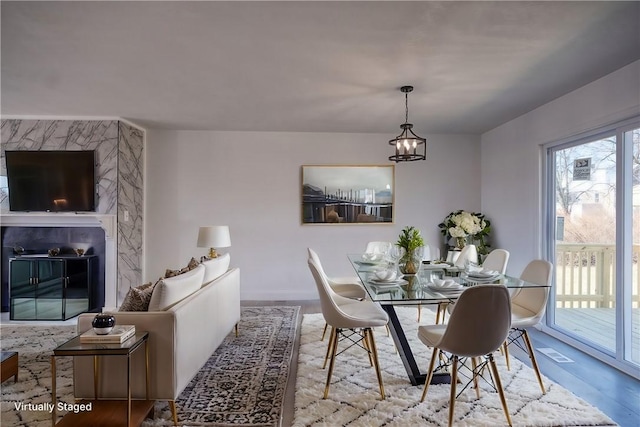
[348, 287]
[478, 327]
[496, 260]
[352, 319]
[527, 309]
[468, 253]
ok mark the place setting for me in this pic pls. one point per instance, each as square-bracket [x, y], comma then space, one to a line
[385, 278]
[445, 286]
[477, 274]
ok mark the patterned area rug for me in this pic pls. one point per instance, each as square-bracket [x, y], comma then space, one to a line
[242, 384]
[354, 398]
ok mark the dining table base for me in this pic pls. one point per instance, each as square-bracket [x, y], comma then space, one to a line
[404, 350]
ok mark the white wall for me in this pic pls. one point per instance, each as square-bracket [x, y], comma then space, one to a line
[512, 155]
[251, 181]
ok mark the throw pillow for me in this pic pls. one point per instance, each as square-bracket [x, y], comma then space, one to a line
[137, 299]
[170, 290]
[215, 267]
[172, 273]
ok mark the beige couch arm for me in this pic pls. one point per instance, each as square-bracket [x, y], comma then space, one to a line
[161, 326]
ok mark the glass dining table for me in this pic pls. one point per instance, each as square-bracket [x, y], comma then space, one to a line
[418, 290]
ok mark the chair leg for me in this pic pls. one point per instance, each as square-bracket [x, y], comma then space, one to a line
[419, 312]
[334, 350]
[534, 362]
[329, 347]
[498, 384]
[172, 404]
[434, 356]
[374, 352]
[474, 366]
[365, 342]
[454, 380]
[324, 331]
[505, 350]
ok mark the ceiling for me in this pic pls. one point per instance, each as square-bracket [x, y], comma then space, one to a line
[307, 66]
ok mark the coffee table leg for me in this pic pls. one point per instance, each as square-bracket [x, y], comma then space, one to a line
[53, 391]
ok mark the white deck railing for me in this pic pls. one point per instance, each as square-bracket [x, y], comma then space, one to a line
[585, 275]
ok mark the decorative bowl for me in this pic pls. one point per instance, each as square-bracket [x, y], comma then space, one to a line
[54, 251]
[81, 248]
[103, 323]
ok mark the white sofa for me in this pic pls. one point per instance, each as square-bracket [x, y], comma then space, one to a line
[181, 339]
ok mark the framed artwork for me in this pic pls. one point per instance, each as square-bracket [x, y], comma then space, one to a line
[347, 194]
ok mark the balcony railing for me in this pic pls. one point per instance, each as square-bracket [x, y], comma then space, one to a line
[586, 276]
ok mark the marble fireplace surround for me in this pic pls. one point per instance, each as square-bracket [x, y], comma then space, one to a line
[119, 148]
[39, 232]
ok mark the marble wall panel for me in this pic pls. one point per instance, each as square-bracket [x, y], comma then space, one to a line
[101, 136]
[130, 207]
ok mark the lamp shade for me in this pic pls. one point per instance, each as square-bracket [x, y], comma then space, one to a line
[214, 236]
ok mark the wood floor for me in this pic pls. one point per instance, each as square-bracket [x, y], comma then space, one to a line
[613, 392]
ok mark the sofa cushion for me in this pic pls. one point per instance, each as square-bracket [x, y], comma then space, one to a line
[137, 299]
[215, 267]
[169, 291]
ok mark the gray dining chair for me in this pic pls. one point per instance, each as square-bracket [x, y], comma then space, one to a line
[528, 306]
[477, 327]
[352, 320]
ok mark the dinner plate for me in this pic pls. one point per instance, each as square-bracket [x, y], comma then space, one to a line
[454, 288]
[387, 282]
[483, 274]
[377, 287]
[367, 262]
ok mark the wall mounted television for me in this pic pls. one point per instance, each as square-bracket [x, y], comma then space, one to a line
[51, 181]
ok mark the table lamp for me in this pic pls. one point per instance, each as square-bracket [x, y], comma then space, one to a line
[214, 236]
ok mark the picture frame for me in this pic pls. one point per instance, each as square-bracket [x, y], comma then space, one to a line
[347, 194]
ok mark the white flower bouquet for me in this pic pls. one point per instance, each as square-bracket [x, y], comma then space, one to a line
[462, 225]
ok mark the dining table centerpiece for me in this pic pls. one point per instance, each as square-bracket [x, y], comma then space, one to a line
[412, 244]
[467, 228]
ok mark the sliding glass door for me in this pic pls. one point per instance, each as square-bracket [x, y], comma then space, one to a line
[593, 196]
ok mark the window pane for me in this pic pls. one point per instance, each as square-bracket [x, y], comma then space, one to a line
[586, 241]
[635, 272]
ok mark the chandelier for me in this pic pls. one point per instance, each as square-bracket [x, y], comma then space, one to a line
[408, 146]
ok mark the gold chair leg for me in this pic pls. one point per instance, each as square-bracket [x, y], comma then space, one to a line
[324, 331]
[334, 350]
[474, 366]
[434, 356]
[374, 352]
[172, 404]
[365, 343]
[329, 347]
[452, 396]
[534, 362]
[505, 350]
[498, 384]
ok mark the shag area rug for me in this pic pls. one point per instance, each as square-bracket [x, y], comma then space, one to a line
[242, 384]
[354, 397]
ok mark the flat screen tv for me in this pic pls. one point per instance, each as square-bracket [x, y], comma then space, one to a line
[51, 181]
